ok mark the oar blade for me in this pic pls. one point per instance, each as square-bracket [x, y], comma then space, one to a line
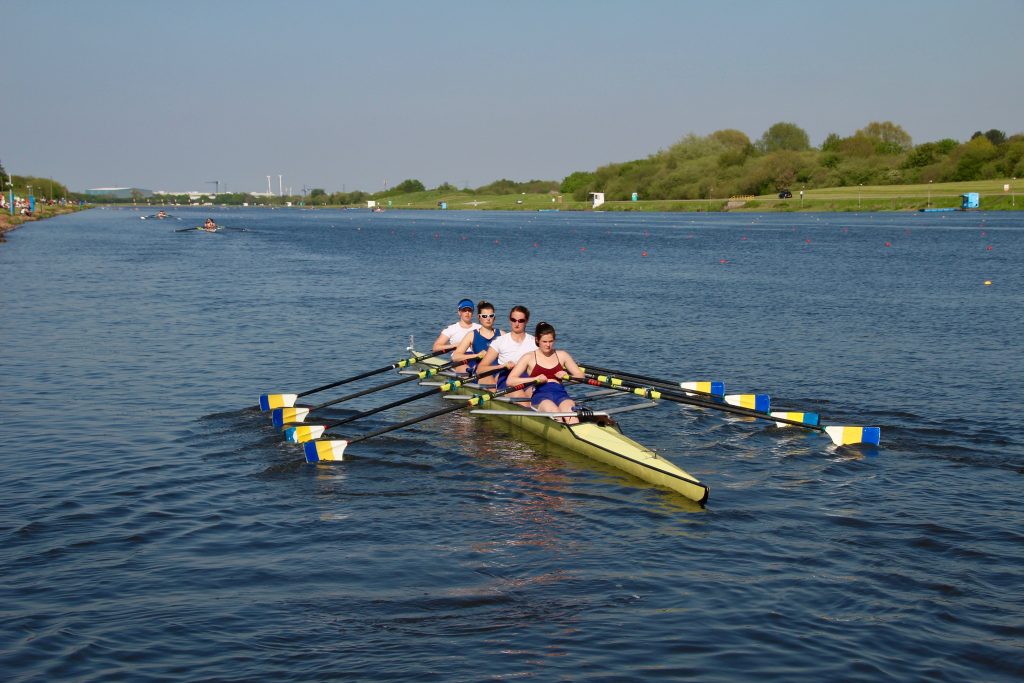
[713, 388]
[810, 419]
[282, 416]
[326, 451]
[846, 436]
[304, 433]
[272, 401]
[759, 402]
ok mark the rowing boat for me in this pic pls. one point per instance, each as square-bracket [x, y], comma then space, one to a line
[602, 442]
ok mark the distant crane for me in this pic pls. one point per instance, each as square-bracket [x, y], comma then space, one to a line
[216, 186]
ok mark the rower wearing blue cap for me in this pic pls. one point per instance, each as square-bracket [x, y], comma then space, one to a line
[450, 336]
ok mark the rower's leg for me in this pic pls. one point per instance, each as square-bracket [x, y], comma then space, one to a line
[567, 406]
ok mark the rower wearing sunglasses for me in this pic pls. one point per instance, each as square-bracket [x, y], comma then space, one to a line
[450, 336]
[506, 350]
[474, 346]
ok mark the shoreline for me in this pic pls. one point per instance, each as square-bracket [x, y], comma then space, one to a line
[9, 222]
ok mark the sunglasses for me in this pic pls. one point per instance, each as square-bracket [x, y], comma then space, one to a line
[518, 320]
[486, 315]
[463, 310]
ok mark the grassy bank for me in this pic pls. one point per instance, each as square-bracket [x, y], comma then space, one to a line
[859, 198]
[9, 222]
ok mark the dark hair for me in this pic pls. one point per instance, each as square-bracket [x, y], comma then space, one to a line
[484, 304]
[542, 329]
[522, 309]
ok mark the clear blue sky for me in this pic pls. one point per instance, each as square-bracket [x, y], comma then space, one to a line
[168, 95]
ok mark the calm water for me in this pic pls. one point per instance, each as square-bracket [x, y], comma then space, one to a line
[154, 527]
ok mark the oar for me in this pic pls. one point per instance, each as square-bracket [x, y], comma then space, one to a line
[271, 401]
[201, 229]
[840, 435]
[282, 416]
[713, 390]
[334, 449]
[716, 389]
[304, 433]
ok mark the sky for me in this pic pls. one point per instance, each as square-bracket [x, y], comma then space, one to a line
[350, 96]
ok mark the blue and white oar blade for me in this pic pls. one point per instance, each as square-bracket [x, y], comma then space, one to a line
[759, 402]
[845, 436]
[304, 433]
[282, 416]
[713, 388]
[271, 401]
[810, 419]
[317, 451]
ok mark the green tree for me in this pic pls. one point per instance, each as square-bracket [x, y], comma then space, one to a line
[784, 136]
[889, 138]
[3, 178]
[831, 143]
[576, 181]
[996, 137]
[409, 185]
[972, 156]
[317, 192]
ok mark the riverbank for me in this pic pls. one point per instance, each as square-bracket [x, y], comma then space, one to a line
[9, 222]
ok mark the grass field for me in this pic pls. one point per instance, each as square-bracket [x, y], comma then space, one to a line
[858, 198]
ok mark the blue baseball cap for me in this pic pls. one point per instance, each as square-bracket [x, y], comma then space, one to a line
[466, 303]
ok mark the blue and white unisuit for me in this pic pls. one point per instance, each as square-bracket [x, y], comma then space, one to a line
[480, 343]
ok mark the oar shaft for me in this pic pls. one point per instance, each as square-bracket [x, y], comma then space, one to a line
[679, 397]
[653, 381]
[369, 373]
[478, 399]
[380, 387]
[448, 386]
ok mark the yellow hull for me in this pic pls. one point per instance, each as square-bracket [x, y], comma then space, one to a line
[605, 444]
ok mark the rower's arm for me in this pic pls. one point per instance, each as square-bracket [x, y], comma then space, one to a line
[441, 343]
[523, 368]
[461, 352]
[488, 362]
[570, 366]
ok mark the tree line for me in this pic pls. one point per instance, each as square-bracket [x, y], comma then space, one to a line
[727, 163]
[723, 164]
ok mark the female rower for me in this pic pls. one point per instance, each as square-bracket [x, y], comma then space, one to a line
[474, 346]
[549, 366]
[450, 336]
[506, 350]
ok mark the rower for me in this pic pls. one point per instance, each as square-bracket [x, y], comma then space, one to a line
[161, 214]
[210, 225]
[474, 346]
[450, 336]
[549, 367]
[506, 350]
